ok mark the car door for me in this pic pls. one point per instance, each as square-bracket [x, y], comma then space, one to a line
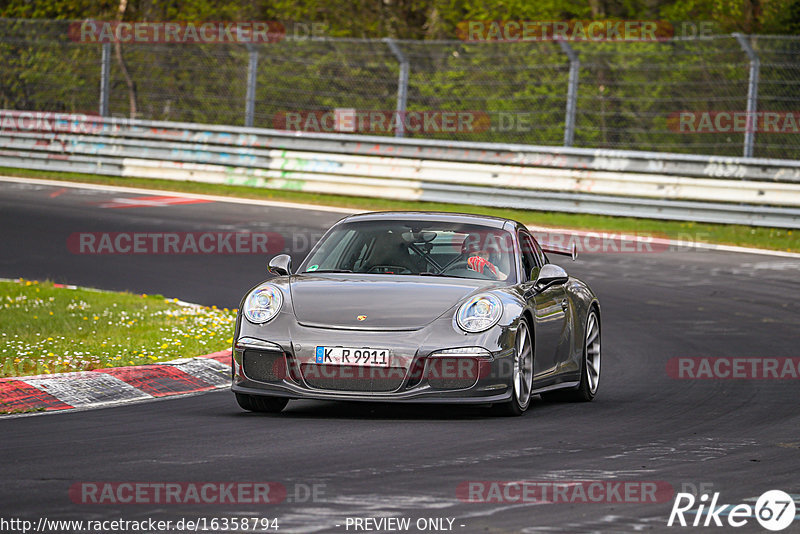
[550, 309]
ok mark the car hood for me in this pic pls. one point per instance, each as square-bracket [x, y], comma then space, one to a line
[384, 302]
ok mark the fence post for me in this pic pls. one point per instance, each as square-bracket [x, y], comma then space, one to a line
[572, 92]
[250, 98]
[105, 73]
[402, 86]
[752, 94]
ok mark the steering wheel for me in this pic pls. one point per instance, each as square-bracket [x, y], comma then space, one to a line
[463, 265]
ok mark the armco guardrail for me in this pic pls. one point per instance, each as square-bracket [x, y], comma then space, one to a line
[638, 184]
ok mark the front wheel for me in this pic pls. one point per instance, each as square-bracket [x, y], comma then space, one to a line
[590, 366]
[254, 403]
[523, 375]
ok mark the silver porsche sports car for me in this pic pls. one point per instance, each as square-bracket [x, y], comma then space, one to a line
[419, 307]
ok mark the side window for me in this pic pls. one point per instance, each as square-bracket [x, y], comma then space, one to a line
[542, 259]
[529, 259]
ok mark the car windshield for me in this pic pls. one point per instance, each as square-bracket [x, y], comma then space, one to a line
[427, 248]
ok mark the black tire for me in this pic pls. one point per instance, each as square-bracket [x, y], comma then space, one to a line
[516, 406]
[254, 403]
[587, 388]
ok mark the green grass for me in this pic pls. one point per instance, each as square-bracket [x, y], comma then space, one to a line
[47, 329]
[748, 236]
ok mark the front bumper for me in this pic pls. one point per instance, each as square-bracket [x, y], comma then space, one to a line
[280, 361]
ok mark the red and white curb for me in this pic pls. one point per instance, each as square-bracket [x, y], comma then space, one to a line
[102, 387]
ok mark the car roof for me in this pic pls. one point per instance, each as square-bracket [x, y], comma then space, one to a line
[466, 218]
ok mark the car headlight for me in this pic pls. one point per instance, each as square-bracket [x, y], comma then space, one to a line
[479, 313]
[263, 304]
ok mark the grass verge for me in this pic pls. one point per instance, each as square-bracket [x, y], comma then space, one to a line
[48, 329]
[690, 232]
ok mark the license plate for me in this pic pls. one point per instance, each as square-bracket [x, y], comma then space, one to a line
[363, 357]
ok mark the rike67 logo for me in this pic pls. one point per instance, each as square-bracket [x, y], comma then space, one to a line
[774, 510]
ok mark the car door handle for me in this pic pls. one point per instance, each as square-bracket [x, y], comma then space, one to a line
[564, 305]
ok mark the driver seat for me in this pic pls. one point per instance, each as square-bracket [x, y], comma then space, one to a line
[390, 249]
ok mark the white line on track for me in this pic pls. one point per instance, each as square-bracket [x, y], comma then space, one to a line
[161, 192]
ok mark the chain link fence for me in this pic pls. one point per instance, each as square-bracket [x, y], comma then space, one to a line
[678, 95]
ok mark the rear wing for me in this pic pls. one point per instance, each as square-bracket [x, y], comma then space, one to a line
[565, 250]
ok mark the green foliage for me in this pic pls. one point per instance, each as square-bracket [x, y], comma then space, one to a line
[418, 19]
[627, 91]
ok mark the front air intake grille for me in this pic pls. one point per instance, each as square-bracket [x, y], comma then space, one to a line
[417, 373]
[453, 373]
[353, 378]
[264, 365]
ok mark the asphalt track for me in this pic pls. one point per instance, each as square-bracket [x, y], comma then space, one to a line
[736, 437]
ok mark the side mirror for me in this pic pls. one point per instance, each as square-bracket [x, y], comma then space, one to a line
[280, 265]
[550, 274]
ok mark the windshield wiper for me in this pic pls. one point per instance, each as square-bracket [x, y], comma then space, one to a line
[329, 271]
